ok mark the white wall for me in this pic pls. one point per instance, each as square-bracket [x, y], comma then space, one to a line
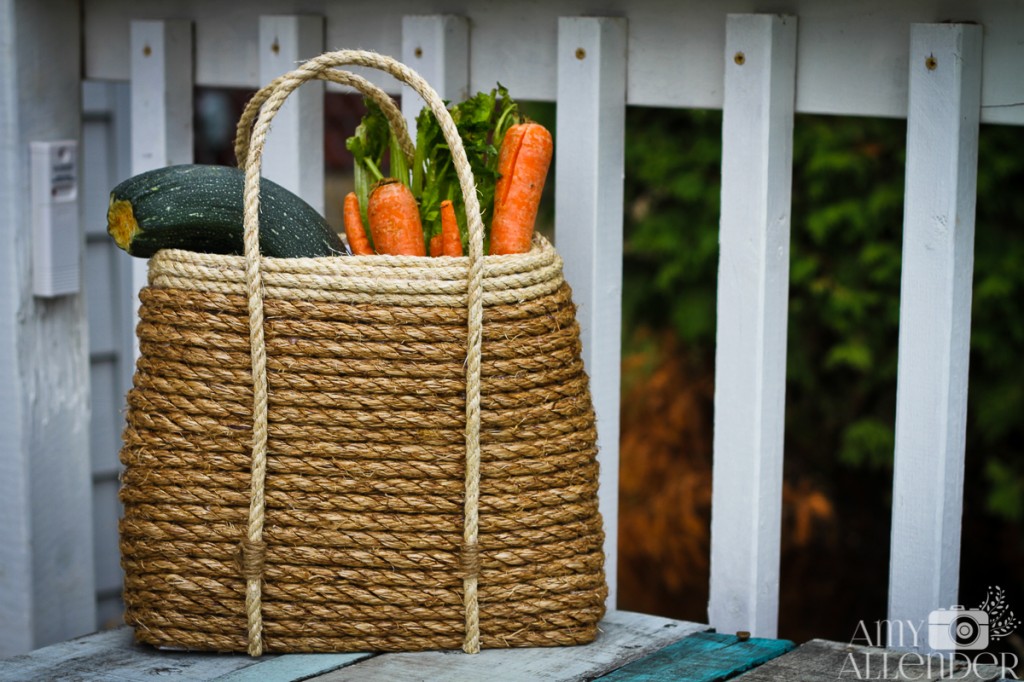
[46, 576]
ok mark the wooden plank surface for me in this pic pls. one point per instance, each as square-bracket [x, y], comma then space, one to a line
[630, 647]
[624, 637]
[702, 657]
[820, 660]
[112, 655]
[935, 320]
[292, 667]
[750, 354]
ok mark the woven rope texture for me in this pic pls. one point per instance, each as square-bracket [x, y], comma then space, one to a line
[363, 529]
[359, 453]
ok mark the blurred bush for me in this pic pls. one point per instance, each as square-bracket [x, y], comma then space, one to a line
[846, 241]
[845, 280]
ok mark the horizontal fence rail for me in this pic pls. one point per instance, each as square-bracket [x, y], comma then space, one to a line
[852, 57]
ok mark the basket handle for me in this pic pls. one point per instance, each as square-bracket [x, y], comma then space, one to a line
[243, 131]
[253, 548]
[315, 68]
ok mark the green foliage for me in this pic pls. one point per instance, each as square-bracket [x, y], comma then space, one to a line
[1007, 489]
[844, 296]
[846, 241]
[671, 246]
[369, 144]
[995, 407]
[481, 121]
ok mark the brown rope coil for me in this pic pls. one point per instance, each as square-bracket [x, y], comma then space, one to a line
[330, 454]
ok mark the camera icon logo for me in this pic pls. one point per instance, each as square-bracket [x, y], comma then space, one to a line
[958, 628]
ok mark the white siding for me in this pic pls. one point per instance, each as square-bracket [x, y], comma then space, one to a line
[46, 554]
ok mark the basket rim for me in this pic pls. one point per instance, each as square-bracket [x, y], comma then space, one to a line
[400, 280]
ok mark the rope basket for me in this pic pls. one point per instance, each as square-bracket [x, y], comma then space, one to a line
[359, 453]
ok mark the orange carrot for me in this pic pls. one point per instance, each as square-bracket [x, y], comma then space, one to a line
[354, 227]
[395, 220]
[523, 166]
[451, 243]
[435, 245]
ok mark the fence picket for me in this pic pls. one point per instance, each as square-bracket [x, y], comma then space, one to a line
[753, 289]
[436, 47]
[589, 167]
[935, 319]
[293, 156]
[161, 106]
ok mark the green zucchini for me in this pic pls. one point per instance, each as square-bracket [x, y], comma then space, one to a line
[199, 208]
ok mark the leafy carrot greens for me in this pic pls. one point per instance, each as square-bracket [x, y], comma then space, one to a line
[481, 122]
[369, 145]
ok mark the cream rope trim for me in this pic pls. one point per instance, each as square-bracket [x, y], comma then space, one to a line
[520, 286]
[379, 266]
[497, 297]
[417, 267]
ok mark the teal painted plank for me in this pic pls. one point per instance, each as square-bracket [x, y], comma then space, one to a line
[701, 657]
[822, 660]
[292, 667]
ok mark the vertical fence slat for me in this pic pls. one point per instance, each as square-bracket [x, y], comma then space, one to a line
[589, 167]
[935, 316]
[437, 48]
[753, 289]
[161, 93]
[161, 104]
[294, 153]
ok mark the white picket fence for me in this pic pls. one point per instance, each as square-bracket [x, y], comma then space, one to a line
[760, 69]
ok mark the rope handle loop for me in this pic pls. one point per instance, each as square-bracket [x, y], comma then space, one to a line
[324, 67]
[243, 131]
[268, 101]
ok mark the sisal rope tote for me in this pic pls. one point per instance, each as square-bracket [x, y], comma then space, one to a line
[359, 453]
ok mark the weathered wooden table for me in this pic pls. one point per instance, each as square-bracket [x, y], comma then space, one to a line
[630, 647]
